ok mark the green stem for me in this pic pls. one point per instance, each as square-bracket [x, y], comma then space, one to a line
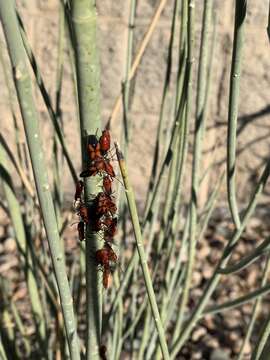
[192, 240]
[126, 92]
[19, 322]
[145, 335]
[248, 259]
[237, 302]
[268, 25]
[257, 353]
[240, 15]
[142, 255]
[22, 82]
[255, 310]
[160, 148]
[84, 21]
[3, 354]
[47, 101]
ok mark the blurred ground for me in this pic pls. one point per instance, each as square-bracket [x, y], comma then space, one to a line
[216, 337]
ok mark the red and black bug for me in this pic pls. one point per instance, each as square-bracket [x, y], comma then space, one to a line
[83, 213]
[102, 352]
[79, 190]
[94, 151]
[104, 257]
[110, 227]
[99, 166]
[107, 184]
[104, 204]
[106, 275]
[105, 141]
[80, 229]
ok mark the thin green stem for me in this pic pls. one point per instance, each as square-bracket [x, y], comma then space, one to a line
[126, 91]
[255, 309]
[248, 259]
[257, 353]
[22, 82]
[142, 255]
[237, 302]
[268, 25]
[3, 354]
[193, 217]
[47, 100]
[135, 321]
[145, 335]
[240, 17]
[159, 149]
[19, 322]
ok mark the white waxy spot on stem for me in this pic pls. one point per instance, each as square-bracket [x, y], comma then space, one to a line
[46, 187]
[18, 71]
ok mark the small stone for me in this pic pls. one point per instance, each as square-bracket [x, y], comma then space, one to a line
[209, 322]
[2, 231]
[198, 333]
[219, 354]
[251, 278]
[10, 244]
[247, 348]
[254, 223]
[197, 276]
[213, 343]
[207, 272]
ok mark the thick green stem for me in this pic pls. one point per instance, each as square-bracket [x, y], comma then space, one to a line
[240, 15]
[84, 21]
[30, 118]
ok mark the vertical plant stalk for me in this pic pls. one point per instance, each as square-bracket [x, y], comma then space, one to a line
[268, 25]
[239, 26]
[126, 91]
[58, 158]
[142, 255]
[3, 354]
[181, 115]
[257, 353]
[84, 21]
[192, 243]
[22, 82]
[16, 160]
[165, 95]
[47, 100]
[25, 253]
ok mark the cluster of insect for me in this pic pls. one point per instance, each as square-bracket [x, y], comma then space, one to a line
[100, 217]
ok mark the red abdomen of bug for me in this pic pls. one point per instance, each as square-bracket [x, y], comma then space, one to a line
[105, 141]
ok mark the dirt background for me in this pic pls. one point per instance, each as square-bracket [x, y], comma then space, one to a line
[41, 21]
